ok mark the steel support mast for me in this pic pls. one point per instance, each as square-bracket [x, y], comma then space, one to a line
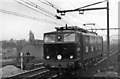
[108, 40]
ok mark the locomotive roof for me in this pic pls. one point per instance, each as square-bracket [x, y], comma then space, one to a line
[73, 29]
[67, 31]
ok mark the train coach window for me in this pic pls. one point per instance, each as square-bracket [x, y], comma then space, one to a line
[49, 38]
[92, 39]
[69, 37]
[86, 49]
[92, 48]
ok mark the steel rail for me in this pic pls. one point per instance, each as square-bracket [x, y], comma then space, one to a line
[115, 51]
[29, 74]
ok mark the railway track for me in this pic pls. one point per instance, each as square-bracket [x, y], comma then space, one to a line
[112, 51]
[30, 74]
[39, 73]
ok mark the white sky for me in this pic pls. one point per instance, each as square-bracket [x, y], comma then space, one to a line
[18, 27]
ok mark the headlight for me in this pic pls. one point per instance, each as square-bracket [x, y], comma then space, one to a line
[59, 57]
[71, 57]
[48, 57]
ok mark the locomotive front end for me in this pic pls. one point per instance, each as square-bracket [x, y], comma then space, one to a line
[59, 49]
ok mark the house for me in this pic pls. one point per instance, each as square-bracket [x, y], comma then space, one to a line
[34, 49]
[9, 50]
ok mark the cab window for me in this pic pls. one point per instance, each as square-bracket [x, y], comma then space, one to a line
[50, 38]
[69, 37]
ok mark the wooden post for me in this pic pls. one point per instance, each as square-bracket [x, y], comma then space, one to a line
[21, 60]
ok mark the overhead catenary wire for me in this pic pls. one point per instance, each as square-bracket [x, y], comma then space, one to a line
[92, 5]
[35, 10]
[40, 8]
[77, 17]
[46, 11]
[81, 8]
[32, 8]
[29, 17]
[56, 7]
[49, 4]
[87, 16]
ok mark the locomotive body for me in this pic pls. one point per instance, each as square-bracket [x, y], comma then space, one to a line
[71, 47]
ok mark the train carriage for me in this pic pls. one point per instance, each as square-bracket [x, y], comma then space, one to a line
[71, 47]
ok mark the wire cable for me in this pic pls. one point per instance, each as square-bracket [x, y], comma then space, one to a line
[29, 17]
[35, 10]
[42, 9]
[46, 11]
[49, 4]
[56, 7]
[32, 8]
[88, 6]
[77, 17]
[39, 8]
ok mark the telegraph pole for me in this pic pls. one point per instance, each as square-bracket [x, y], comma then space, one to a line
[108, 40]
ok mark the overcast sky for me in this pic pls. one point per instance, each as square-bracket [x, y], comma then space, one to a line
[16, 27]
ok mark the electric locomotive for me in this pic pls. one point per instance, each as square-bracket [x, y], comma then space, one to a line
[71, 47]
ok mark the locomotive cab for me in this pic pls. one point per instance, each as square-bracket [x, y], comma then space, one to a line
[60, 48]
[60, 43]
